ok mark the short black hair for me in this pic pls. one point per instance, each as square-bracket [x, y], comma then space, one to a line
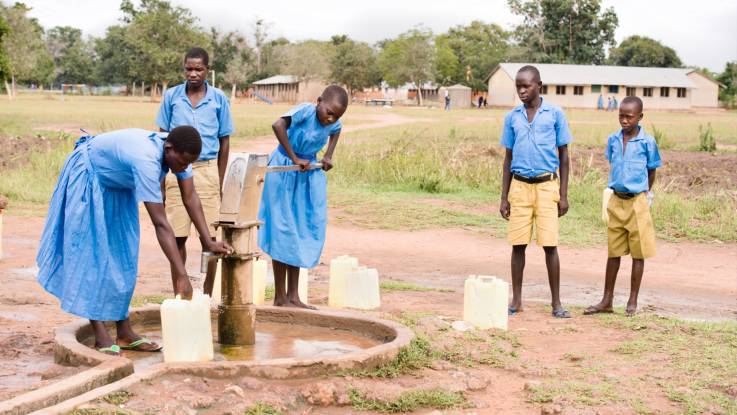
[335, 92]
[633, 100]
[185, 139]
[198, 53]
[531, 69]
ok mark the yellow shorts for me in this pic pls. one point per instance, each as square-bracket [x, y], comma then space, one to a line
[533, 203]
[207, 185]
[630, 228]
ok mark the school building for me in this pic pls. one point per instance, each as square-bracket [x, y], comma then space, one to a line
[580, 86]
[287, 88]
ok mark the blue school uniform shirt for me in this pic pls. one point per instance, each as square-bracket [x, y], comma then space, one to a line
[629, 168]
[211, 117]
[535, 145]
[132, 159]
[306, 135]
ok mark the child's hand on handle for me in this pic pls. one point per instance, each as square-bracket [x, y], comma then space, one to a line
[327, 164]
[504, 209]
[183, 287]
[302, 163]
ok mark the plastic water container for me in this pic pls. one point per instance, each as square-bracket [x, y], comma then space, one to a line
[186, 329]
[339, 269]
[485, 302]
[259, 281]
[362, 289]
[606, 195]
[302, 289]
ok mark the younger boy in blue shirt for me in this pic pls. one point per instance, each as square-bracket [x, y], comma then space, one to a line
[536, 138]
[633, 156]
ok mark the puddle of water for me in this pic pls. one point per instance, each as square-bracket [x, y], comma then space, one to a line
[273, 341]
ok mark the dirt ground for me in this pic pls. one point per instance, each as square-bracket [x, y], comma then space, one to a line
[690, 280]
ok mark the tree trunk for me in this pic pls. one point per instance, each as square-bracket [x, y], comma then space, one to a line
[132, 91]
[15, 90]
[232, 94]
[8, 90]
[419, 93]
[143, 89]
[164, 85]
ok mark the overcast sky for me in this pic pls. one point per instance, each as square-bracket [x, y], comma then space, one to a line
[704, 32]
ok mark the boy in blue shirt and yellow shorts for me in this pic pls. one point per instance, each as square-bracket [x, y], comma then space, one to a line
[536, 138]
[633, 156]
[204, 107]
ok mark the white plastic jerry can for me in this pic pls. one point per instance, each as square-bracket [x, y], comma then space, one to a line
[339, 269]
[186, 329]
[302, 289]
[605, 196]
[362, 289]
[259, 281]
[485, 302]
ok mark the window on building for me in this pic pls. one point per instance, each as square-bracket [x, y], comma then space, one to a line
[681, 92]
[613, 89]
[544, 90]
[631, 91]
[577, 90]
[560, 90]
[647, 92]
[664, 91]
[595, 88]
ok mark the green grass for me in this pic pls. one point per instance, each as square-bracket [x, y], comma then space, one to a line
[100, 411]
[262, 408]
[696, 367]
[140, 301]
[409, 401]
[269, 293]
[411, 358]
[117, 398]
[408, 286]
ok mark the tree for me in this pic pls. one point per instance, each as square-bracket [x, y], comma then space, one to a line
[478, 47]
[564, 31]
[354, 65]
[72, 56]
[115, 57]
[409, 58]
[643, 51]
[307, 60]
[241, 65]
[160, 34]
[728, 78]
[4, 64]
[226, 48]
[28, 60]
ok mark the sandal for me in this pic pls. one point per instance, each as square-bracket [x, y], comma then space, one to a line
[512, 311]
[113, 350]
[561, 313]
[143, 340]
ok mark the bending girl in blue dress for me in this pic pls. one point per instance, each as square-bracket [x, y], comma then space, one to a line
[294, 204]
[88, 256]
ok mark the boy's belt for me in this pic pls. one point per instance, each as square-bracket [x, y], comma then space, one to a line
[625, 195]
[537, 179]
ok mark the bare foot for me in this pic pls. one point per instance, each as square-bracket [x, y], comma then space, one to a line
[631, 310]
[279, 302]
[599, 308]
[298, 303]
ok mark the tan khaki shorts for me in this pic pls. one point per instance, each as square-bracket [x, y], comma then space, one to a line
[533, 204]
[630, 228]
[207, 185]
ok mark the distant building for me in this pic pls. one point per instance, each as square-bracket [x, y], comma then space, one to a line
[288, 88]
[579, 86]
[460, 96]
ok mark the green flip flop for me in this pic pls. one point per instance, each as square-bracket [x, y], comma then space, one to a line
[135, 345]
[113, 350]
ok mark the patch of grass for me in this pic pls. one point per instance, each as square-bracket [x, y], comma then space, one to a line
[416, 356]
[140, 301]
[701, 358]
[707, 142]
[117, 398]
[270, 292]
[100, 411]
[408, 286]
[586, 393]
[262, 408]
[661, 139]
[410, 401]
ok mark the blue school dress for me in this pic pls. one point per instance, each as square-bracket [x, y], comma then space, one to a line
[88, 255]
[294, 204]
